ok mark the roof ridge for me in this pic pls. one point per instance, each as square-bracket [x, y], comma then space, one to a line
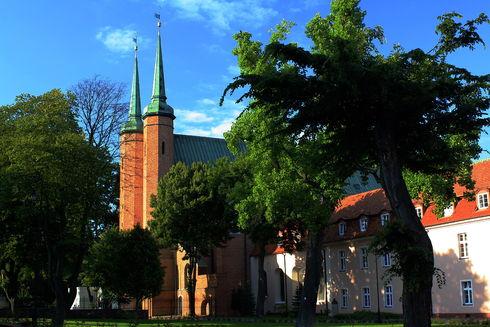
[202, 137]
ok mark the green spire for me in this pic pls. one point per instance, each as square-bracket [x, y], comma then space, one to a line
[134, 123]
[158, 104]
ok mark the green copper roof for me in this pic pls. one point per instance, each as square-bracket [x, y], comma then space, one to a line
[189, 149]
[134, 123]
[158, 104]
[357, 184]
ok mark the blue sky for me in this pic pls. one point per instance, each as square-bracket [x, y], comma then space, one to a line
[53, 44]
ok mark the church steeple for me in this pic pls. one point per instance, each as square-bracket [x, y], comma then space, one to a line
[158, 104]
[134, 123]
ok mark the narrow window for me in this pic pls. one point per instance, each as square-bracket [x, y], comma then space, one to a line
[366, 298]
[388, 296]
[419, 212]
[385, 219]
[342, 228]
[463, 245]
[163, 148]
[321, 291]
[387, 260]
[345, 298]
[467, 292]
[364, 258]
[363, 224]
[281, 281]
[483, 201]
[342, 260]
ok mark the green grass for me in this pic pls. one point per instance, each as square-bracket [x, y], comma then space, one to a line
[187, 323]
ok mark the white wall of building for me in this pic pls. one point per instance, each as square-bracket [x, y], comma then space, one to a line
[475, 268]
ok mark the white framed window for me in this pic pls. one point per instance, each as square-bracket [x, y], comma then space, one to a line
[449, 211]
[467, 292]
[366, 297]
[419, 212]
[387, 260]
[342, 228]
[388, 296]
[363, 224]
[364, 258]
[463, 245]
[344, 299]
[385, 219]
[342, 261]
[482, 200]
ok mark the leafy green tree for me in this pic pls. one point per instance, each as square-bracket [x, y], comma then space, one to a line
[55, 182]
[296, 183]
[407, 112]
[191, 213]
[126, 265]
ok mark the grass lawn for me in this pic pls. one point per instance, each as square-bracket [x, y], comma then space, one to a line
[186, 323]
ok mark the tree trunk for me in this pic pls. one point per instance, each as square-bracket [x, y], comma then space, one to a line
[418, 264]
[262, 282]
[59, 291]
[307, 308]
[11, 305]
[191, 286]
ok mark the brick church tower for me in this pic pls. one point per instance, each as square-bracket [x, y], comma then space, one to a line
[149, 148]
[131, 151]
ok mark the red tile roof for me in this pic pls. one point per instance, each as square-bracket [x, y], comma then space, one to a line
[368, 203]
[375, 201]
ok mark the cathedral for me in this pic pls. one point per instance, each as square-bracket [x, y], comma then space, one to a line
[148, 148]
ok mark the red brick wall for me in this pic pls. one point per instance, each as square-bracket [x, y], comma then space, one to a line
[157, 129]
[131, 180]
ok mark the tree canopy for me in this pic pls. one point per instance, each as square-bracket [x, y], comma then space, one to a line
[191, 212]
[126, 265]
[54, 182]
[397, 116]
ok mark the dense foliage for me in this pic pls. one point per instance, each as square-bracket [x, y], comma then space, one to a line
[191, 213]
[126, 265]
[55, 187]
[407, 116]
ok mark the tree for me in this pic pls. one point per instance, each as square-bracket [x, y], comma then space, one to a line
[293, 188]
[100, 111]
[191, 213]
[126, 265]
[55, 182]
[410, 112]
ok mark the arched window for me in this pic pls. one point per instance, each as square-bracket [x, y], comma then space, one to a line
[281, 286]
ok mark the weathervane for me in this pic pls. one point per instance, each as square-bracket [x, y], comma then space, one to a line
[135, 40]
[159, 23]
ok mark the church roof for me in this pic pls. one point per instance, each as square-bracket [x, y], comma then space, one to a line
[189, 149]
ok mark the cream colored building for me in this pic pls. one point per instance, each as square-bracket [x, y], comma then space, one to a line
[355, 278]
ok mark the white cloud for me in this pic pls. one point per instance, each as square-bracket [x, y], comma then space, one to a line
[218, 130]
[221, 14]
[197, 131]
[193, 116]
[119, 40]
[207, 102]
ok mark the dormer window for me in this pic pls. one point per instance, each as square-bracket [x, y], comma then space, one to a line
[449, 211]
[342, 228]
[363, 224]
[482, 200]
[419, 212]
[385, 219]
